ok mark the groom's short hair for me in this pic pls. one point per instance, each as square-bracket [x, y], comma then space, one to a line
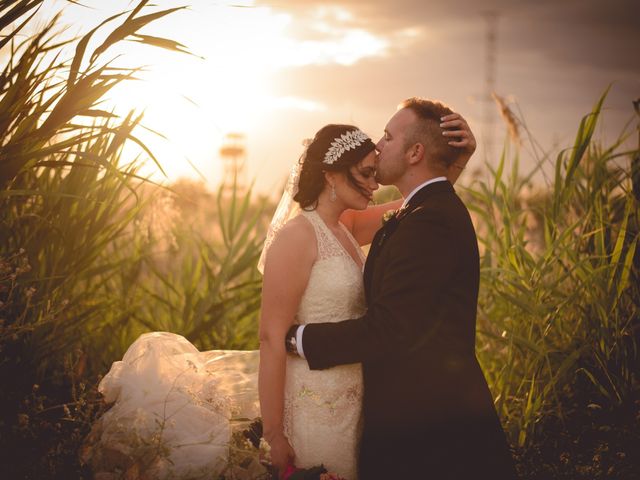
[427, 130]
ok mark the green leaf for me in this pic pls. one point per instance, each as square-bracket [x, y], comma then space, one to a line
[131, 27]
[161, 43]
[80, 50]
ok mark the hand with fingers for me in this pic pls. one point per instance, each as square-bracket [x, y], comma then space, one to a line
[456, 128]
[282, 455]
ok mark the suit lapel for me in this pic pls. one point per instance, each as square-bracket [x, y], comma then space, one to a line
[383, 234]
[368, 264]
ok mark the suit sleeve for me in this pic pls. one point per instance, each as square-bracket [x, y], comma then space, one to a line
[405, 313]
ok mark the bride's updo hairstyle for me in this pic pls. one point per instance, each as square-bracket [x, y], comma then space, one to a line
[335, 148]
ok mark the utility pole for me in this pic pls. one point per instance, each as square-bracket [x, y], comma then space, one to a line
[233, 154]
[490, 64]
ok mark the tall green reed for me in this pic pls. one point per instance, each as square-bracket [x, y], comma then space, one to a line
[203, 283]
[82, 272]
[65, 192]
[559, 301]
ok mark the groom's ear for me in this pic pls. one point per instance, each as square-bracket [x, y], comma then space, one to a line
[415, 153]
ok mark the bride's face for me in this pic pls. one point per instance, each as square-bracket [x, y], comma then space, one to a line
[364, 174]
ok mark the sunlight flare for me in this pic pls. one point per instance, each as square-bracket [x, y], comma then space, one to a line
[227, 84]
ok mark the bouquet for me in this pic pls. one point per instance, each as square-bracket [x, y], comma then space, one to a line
[314, 473]
[253, 435]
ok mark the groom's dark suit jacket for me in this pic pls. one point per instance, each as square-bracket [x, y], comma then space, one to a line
[428, 412]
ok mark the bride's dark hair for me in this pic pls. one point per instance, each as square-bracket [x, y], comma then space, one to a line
[312, 179]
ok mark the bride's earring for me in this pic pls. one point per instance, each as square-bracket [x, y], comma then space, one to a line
[333, 195]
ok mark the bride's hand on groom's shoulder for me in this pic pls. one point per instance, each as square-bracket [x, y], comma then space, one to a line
[282, 453]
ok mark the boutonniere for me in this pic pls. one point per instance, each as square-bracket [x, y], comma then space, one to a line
[394, 215]
[386, 216]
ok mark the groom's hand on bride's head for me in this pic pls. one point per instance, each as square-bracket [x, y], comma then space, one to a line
[456, 129]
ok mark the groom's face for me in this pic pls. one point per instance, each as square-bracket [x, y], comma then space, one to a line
[392, 163]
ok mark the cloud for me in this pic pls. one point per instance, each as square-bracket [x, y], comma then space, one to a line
[586, 33]
[574, 32]
[328, 34]
[296, 103]
[344, 47]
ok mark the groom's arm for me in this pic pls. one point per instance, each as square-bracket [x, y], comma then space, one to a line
[406, 311]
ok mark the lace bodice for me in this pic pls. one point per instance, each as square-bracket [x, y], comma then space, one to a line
[335, 290]
[323, 408]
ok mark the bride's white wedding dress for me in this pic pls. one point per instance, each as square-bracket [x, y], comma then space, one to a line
[174, 406]
[322, 416]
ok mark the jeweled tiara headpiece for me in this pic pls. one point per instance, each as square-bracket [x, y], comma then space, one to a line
[345, 142]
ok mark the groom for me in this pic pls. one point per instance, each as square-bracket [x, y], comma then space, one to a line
[428, 412]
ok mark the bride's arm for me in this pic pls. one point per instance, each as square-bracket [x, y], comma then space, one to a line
[364, 224]
[286, 274]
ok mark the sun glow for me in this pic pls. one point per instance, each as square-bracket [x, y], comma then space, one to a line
[227, 84]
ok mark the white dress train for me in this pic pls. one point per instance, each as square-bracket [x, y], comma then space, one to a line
[173, 410]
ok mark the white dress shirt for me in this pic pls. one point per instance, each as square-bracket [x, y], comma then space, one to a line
[404, 204]
[420, 187]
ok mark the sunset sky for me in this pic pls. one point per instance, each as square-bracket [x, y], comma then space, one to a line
[279, 70]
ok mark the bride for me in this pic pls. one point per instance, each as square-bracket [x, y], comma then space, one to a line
[173, 406]
[313, 273]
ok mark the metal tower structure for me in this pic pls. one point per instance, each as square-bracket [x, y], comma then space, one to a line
[490, 64]
[233, 154]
